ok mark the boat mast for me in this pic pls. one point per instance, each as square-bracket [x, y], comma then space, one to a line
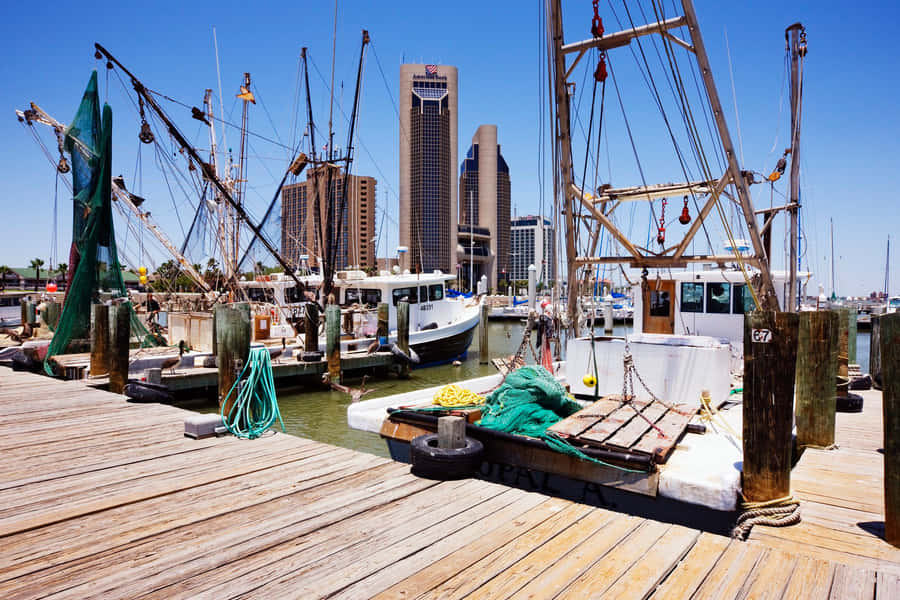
[207, 170]
[887, 270]
[795, 37]
[833, 296]
[240, 183]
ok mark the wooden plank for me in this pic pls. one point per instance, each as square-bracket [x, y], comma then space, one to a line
[852, 584]
[770, 577]
[694, 568]
[579, 422]
[597, 433]
[416, 580]
[730, 572]
[887, 586]
[811, 578]
[673, 425]
[626, 437]
[604, 574]
[467, 582]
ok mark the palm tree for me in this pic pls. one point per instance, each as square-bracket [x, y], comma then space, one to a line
[36, 264]
[4, 271]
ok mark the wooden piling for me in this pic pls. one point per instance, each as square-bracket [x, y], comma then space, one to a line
[311, 323]
[99, 339]
[875, 351]
[851, 336]
[770, 356]
[383, 322]
[890, 371]
[119, 341]
[23, 308]
[843, 341]
[30, 314]
[50, 314]
[403, 334]
[484, 354]
[233, 332]
[817, 356]
[451, 432]
[333, 341]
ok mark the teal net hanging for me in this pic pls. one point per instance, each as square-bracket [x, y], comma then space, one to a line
[95, 274]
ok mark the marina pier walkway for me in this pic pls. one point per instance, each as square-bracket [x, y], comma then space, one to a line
[102, 498]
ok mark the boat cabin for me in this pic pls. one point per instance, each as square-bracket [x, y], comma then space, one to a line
[709, 303]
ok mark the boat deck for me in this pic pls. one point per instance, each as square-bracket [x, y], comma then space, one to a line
[102, 498]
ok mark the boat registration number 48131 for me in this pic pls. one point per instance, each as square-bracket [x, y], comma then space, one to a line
[761, 336]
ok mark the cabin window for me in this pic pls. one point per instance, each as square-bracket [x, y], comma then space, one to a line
[718, 298]
[408, 294]
[260, 294]
[423, 293]
[369, 297]
[741, 300]
[293, 295]
[691, 297]
[660, 303]
[435, 292]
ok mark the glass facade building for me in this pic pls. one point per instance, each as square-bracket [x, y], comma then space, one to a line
[533, 241]
[428, 196]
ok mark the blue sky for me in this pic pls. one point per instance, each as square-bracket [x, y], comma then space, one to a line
[850, 121]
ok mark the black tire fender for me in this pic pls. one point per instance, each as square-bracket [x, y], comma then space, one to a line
[411, 358]
[431, 462]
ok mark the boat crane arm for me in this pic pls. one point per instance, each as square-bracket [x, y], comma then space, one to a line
[38, 115]
[205, 167]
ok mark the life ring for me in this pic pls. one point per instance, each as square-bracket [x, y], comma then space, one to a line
[431, 462]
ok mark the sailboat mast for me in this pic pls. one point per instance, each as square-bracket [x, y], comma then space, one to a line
[214, 166]
[247, 97]
[795, 37]
[833, 296]
[887, 270]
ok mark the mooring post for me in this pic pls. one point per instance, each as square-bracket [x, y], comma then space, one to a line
[50, 314]
[119, 340]
[30, 314]
[770, 357]
[451, 432]
[403, 335]
[875, 351]
[99, 339]
[851, 336]
[333, 341]
[383, 322]
[843, 341]
[817, 351]
[607, 318]
[484, 353]
[890, 381]
[23, 308]
[311, 324]
[234, 330]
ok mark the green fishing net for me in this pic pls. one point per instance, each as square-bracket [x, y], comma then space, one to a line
[93, 260]
[528, 402]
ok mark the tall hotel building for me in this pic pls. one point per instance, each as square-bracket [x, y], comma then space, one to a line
[484, 199]
[299, 227]
[533, 242]
[428, 133]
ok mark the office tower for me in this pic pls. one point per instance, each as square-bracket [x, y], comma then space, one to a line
[300, 232]
[484, 198]
[428, 131]
[532, 241]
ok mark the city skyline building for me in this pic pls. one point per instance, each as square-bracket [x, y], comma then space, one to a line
[484, 197]
[428, 158]
[532, 241]
[300, 233]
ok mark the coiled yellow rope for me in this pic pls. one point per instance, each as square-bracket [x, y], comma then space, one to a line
[453, 395]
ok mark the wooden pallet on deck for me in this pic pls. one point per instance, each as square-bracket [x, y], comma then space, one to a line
[612, 425]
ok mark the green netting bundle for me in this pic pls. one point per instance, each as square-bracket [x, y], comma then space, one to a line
[529, 401]
[93, 257]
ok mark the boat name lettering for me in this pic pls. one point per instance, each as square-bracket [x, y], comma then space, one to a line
[426, 307]
[761, 336]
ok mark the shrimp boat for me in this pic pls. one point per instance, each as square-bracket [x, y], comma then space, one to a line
[441, 326]
[642, 394]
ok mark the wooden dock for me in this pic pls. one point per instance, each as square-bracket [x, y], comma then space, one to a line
[101, 498]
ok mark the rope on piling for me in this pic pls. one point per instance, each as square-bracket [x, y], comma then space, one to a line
[780, 512]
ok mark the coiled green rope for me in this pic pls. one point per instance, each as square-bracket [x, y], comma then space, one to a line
[256, 407]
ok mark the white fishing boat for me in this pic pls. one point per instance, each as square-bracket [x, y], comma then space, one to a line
[441, 324]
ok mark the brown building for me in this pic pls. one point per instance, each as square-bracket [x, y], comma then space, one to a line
[301, 232]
